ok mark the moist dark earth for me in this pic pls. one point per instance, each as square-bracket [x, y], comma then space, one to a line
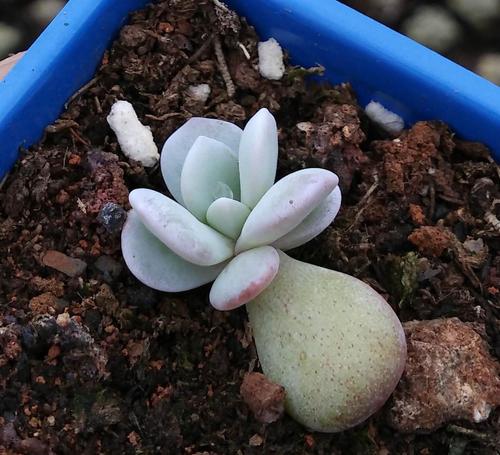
[92, 361]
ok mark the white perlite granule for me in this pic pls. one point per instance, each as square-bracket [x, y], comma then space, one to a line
[135, 139]
[199, 92]
[271, 65]
[388, 120]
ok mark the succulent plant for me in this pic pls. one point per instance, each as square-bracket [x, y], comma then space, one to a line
[230, 217]
[331, 340]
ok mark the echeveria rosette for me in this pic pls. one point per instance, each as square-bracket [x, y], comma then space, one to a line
[229, 217]
[332, 341]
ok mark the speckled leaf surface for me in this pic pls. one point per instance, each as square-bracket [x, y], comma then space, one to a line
[332, 341]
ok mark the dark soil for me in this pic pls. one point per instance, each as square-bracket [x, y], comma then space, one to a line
[92, 361]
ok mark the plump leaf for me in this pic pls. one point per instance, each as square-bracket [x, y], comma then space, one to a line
[210, 170]
[315, 223]
[244, 278]
[331, 341]
[258, 157]
[179, 143]
[179, 230]
[285, 205]
[227, 216]
[155, 265]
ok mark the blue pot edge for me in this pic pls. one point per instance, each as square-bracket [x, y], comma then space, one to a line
[381, 64]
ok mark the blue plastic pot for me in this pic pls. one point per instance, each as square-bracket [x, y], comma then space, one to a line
[381, 65]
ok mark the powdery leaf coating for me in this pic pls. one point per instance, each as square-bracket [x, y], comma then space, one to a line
[177, 146]
[315, 223]
[245, 277]
[450, 375]
[155, 265]
[285, 206]
[209, 165]
[258, 157]
[179, 230]
[227, 216]
[332, 341]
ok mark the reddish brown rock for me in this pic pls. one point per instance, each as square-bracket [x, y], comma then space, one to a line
[449, 375]
[265, 398]
[44, 303]
[65, 264]
[431, 240]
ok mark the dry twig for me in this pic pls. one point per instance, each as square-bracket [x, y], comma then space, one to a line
[221, 60]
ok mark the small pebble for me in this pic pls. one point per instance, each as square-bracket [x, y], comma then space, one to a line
[65, 264]
[110, 268]
[477, 12]
[112, 217]
[10, 37]
[199, 92]
[433, 26]
[450, 375]
[488, 66]
[265, 398]
[43, 11]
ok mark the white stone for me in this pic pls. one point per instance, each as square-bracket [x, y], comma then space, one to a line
[488, 66]
[271, 65]
[477, 12]
[9, 38]
[388, 120]
[44, 10]
[199, 92]
[388, 10]
[135, 139]
[432, 26]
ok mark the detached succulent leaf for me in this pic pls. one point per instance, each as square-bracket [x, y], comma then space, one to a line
[258, 157]
[285, 205]
[332, 341]
[244, 278]
[227, 216]
[179, 230]
[180, 142]
[210, 167]
[157, 266]
[315, 223]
